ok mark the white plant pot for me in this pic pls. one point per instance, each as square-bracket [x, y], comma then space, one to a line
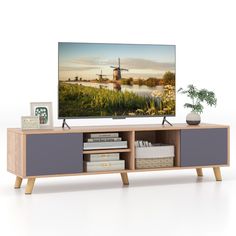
[193, 118]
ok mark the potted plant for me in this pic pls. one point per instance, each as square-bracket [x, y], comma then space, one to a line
[198, 96]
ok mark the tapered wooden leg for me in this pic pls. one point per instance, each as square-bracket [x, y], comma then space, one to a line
[217, 173]
[29, 186]
[18, 182]
[125, 179]
[199, 172]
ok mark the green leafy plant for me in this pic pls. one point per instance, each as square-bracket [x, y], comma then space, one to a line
[198, 96]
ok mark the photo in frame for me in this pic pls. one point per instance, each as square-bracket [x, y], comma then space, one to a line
[30, 122]
[44, 111]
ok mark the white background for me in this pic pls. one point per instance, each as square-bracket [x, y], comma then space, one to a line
[164, 203]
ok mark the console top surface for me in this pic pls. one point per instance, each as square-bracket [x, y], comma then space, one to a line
[117, 128]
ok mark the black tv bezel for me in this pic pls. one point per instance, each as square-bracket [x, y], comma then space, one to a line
[112, 117]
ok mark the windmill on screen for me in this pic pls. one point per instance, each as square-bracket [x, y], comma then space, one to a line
[100, 76]
[117, 71]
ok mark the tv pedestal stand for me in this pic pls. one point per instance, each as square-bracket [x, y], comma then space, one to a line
[33, 154]
[65, 124]
[165, 120]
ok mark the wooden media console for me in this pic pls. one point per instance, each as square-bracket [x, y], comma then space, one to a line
[34, 154]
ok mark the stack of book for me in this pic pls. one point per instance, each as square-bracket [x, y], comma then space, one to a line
[103, 162]
[96, 141]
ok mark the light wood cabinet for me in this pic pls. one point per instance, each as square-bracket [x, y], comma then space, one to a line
[59, 152]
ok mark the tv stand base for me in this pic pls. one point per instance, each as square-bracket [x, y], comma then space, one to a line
[65, 124]
[217, 173]
[199, 172]
[63, 151]
[18, 182]
[124, 178]
[29, 186]
[165, 120]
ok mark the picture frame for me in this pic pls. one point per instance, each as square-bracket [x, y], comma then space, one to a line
[30, 122]
[44, 111]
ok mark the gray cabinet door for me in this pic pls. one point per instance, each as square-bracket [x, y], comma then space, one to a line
[48, 154]
[202, 147]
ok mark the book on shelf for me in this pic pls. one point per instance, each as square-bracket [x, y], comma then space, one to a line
[102, 157]
[104, 165]
[104, 139]
[105, 145]
[103, 135]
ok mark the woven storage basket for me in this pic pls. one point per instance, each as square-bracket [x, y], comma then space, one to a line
[149, 163]
[155, 151]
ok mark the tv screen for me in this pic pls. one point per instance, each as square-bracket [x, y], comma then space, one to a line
[116, 80]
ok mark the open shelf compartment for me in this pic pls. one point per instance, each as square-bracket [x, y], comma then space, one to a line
[126, 154]
[169, 137]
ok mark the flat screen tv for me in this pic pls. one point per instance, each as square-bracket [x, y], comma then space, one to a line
[116, 80]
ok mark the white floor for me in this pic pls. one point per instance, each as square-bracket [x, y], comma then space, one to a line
[160, 203]
[155, 203]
